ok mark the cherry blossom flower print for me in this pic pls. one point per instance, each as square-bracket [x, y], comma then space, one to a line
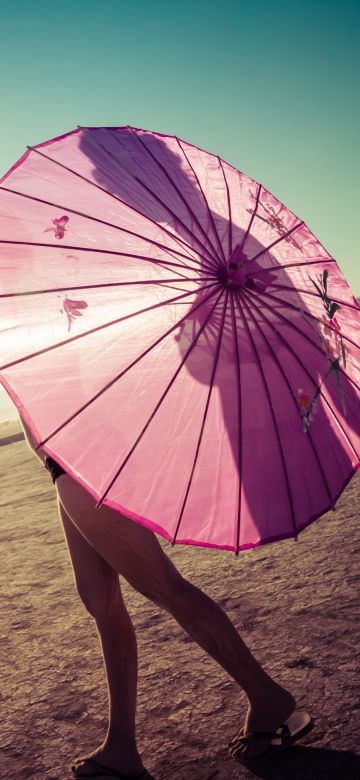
[307, 407]
[60, 226]
[274, 221]
[71, 309]
[328, 330]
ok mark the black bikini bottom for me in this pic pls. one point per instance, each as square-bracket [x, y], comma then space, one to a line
[54, 468]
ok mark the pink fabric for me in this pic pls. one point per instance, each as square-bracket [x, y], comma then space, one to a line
[168, 332]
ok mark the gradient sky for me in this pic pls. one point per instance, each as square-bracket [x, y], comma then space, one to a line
[272, 87]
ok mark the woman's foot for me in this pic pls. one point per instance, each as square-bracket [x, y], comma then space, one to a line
[266, 713]
[112, 755]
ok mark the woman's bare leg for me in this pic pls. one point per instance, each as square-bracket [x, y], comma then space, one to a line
[98, 587]
[134, 552]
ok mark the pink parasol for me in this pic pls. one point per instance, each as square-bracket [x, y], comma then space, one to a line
[176, 338]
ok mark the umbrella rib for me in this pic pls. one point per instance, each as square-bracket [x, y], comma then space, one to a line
[310, 292]
[164, 263]
[102, 222]
[308, 313]
[215, 257]
[290, 497]
[298, 330]
[229, 207]
[278, 267]
[169, 385]
[115, 379]
[97, 286]
[304, 368]
[174, 237]
[238, 385]
[264, 219]
[142, 184]
[288, 346]
[101, 327]
[211, 216]
[278, 240]
[215, 364]
[242, 242]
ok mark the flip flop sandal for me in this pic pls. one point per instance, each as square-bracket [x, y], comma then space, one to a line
[104, 772]
[295, 727]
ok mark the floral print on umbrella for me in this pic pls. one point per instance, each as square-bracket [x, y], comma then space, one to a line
[275, 222]
[328, 330]
[307, 407]
[71, 309]
[60, 226]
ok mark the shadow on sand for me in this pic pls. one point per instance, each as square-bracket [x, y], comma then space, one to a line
[298, 763]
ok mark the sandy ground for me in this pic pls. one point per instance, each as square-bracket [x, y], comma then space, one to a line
[295, 604]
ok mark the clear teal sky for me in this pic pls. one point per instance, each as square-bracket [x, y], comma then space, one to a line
[273, 87]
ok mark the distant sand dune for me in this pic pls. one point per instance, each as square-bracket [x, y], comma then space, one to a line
[10, 431]
[10, 439]
[9, 427]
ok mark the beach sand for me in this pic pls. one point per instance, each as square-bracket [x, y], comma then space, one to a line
[295, 604]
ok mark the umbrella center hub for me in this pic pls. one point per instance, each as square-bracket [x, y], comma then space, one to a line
[235, 274]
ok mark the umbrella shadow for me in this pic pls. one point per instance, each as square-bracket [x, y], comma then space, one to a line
[152, 175]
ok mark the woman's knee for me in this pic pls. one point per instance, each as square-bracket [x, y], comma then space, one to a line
[97, 583]
[126, 546]
[101, 597]
[165, 587]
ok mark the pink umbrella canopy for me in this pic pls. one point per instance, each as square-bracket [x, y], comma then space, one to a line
[176, 338]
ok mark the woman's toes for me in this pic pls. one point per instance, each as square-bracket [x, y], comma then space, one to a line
[83, 769]
[240, 752]
[248, 751]
[77, 763]
[236, 747]
[233, 742]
